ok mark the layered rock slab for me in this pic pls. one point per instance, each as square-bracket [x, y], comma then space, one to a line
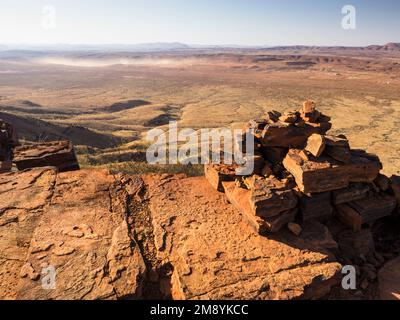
[216, 254]
[270, 196]
[80, 230]
[286, 135]
[315, 175]
[59, 154]
[242, 199]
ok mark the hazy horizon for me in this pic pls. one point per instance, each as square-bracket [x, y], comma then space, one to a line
[206, 22]
[188, 45]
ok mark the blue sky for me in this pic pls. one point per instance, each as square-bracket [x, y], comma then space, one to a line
[244, 22]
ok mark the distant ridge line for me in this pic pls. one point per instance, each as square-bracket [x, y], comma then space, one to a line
[177, 46]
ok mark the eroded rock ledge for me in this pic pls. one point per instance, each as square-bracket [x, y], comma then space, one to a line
[158, 236]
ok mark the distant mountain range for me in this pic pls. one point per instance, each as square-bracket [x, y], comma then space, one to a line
[387, 47]
[176, 46]
[157, 46]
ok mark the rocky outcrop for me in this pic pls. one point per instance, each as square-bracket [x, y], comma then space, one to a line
[75, 222]
[309, 181]
[113, 237]
[304, 174]
[59, 154]
[89, 234]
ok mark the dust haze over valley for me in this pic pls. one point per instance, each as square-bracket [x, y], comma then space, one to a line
[106, 101]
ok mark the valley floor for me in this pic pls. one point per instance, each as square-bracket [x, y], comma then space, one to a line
[106, 111]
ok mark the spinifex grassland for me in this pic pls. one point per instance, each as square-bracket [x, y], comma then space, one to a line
[106, 102]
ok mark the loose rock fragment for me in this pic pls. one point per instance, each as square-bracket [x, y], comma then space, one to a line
[356, 213]
[316, 145]
[27, 270]
[59, 154]
[294, 228]
[276, 223]
[216, 174]
[309, 113]
[341, 154]
[273, 116]
[263, 221]
[336, 141]
[41, 247]
[289, 117]
[63, 251]
[364, 167]
[317, 175]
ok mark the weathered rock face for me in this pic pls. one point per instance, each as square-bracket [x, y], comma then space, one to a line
[59, 154]
[216, 255]
[355, 191]
[109, 236]
[337, 148]
[75, 222]
[22, 199]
